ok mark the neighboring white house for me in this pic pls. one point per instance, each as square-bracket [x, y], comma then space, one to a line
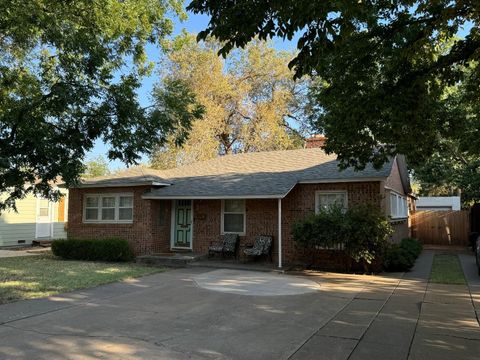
[438, 203]
[35, 219]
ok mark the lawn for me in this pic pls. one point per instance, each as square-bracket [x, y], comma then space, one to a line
[39, 276]
[446, 269]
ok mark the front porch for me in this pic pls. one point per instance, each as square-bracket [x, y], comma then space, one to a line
[186, 228]
[189, 259]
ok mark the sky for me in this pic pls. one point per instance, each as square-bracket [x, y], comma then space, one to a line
[194, 24]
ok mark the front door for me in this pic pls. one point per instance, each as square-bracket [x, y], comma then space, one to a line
[43, 219]
[183, 224]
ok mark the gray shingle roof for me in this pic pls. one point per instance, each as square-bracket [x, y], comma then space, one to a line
[134, 176]
[262, 174]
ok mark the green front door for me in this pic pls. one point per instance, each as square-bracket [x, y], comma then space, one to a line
[183, 224]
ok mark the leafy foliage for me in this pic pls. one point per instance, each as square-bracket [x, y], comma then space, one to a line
[69, 71]
[401, 257]
[325, 229]
[96, 167]
[384, 69]
[249, 100]
[450, 171]
[368, 234]
[112, 249]
[362, 230]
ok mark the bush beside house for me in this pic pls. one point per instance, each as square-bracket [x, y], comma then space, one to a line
[111, 249]
[356, 239]
[359, 235]
[401, 257]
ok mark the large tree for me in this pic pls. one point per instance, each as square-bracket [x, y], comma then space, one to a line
[251, 101]
[383, 68]
[69, 71]
[449, 172]
[97, 166]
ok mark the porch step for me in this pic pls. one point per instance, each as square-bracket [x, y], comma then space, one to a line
[235, 265]
[169, 259]
[42, 243]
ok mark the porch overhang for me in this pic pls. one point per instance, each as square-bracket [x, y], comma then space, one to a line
[121, 184]
[212, 197]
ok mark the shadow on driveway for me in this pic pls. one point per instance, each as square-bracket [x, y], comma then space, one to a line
[169, 316]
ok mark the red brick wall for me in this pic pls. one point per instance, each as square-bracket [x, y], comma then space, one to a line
[300, 202]
[144, 234]
[261, 219]
[161, 225]
[262, 215]
[206, 223]
[150, 230]
[316, 141]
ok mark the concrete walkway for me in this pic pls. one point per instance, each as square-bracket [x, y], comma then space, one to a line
[410, 320]
[167, 316]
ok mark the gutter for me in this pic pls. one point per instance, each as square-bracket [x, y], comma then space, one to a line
[99, 185]
[211, 197]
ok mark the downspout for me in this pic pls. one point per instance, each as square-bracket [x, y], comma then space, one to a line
[280, 233]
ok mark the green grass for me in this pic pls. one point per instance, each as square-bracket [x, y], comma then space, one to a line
[446, 269]
[39, 276]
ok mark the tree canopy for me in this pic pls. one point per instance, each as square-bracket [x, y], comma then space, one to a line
[250, 100]
[383, 68]
[450, 172]
[69, 71]
[97, 166]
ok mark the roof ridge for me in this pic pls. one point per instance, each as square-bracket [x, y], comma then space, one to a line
[239, 155]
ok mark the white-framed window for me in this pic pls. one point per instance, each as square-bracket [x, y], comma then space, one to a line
[108, 208]
[327, 199]
[233, 216]
[398, 206]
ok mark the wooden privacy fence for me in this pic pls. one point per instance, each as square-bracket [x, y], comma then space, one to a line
[441, 227]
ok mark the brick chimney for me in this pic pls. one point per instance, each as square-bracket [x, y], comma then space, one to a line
[316, 141]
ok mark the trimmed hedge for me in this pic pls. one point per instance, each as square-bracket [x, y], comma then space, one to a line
[401, 257]
[110, 249]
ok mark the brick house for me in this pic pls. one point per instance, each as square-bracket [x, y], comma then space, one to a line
[188, 207]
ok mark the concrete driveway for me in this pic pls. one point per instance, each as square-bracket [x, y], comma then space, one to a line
[169, 316]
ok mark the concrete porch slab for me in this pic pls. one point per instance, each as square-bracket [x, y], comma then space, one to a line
[174, 259]
[254, 283]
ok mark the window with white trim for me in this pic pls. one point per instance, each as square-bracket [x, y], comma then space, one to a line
[108, 208]
[398, 206]
[327, 199]
[233, 216]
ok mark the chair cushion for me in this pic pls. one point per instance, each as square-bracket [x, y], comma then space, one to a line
[252, 252]
[215, 248]
[263, 244]
[230, 242]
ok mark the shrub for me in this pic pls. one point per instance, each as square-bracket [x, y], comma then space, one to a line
[401, 257]
[368, 233]
[324, 229]
[362, 230]
[110, 249]
[412, 246]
